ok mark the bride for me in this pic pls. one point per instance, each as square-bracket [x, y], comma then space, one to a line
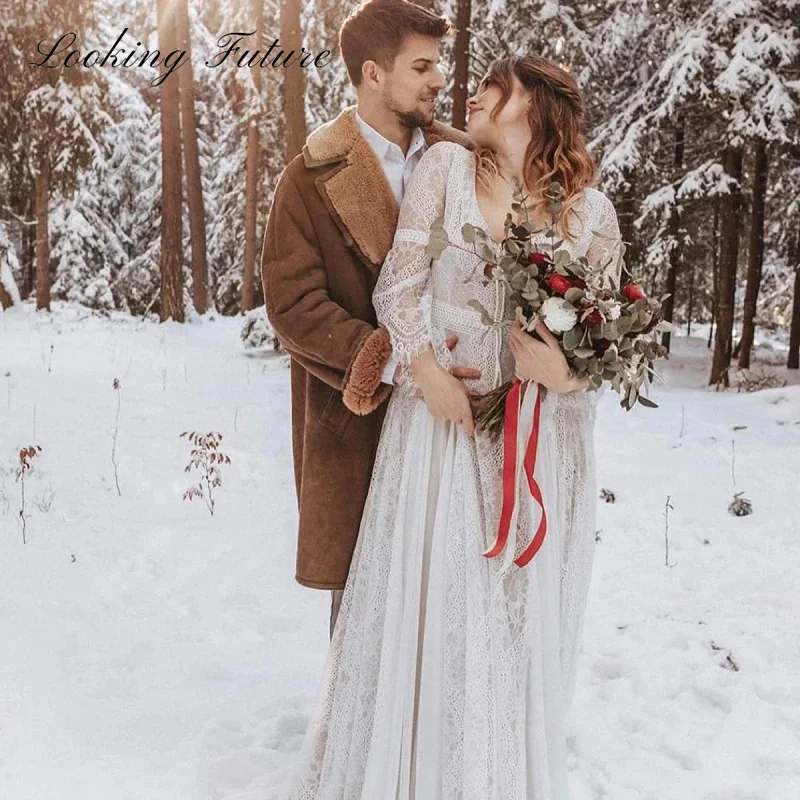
[450, 674]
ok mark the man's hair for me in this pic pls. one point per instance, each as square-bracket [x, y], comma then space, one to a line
[375, 30]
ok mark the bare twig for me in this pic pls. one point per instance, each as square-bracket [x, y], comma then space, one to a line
[667, 508]
[118, 390]
[26, 456]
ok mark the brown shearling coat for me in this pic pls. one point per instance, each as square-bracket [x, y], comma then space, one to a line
[330, 227]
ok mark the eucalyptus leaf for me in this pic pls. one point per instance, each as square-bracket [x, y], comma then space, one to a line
[623, 325]
[574, 295]
[486, 251]
[610, 355]
[486, 317]
[609, 331]
[438, 241]
[562, 257]
[572, 338]
[436, 247]
[519, 280]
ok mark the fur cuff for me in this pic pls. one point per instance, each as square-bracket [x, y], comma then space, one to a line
[363, 390]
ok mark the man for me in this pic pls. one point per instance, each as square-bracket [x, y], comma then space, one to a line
[331, 225]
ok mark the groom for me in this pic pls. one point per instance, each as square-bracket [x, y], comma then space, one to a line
[331, 225]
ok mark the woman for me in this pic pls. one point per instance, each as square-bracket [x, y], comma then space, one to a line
[450, 674]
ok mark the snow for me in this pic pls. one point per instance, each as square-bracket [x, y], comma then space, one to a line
[154, 651]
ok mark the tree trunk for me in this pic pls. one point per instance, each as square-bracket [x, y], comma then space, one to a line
[171, 305]
[793, 361]
[6, 301]
[714, 269]
[755, 257]
[674, 234]
[461, 64]
[42, 235]
[690, 297]
[293, 90]
[626, 216]
[194, 183]
[5, 298]
[728, 258]
[251, 180]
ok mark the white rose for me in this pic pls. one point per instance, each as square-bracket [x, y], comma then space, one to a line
[559, 315]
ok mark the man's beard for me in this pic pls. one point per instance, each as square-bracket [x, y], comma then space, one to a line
[410, 119]
[415, 119]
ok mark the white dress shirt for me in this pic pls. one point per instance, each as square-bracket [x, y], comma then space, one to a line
[398, 169]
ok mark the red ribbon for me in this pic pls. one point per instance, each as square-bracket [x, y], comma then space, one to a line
[510, 432]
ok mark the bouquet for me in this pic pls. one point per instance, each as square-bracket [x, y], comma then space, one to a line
[604, 329]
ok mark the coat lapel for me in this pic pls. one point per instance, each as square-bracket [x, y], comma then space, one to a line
[355, 189]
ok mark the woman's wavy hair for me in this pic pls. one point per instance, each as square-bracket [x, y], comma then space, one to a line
[557, 150]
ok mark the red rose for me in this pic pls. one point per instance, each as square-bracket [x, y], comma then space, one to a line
[633, 292]
[594, 318]
[558, 283]
[540, 259]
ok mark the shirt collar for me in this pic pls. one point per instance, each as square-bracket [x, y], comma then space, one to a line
[382, 146]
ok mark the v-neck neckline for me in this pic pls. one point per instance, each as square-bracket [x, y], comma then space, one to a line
[473, 177]
[483, 221]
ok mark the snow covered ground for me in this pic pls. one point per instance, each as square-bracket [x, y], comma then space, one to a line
[151, 651]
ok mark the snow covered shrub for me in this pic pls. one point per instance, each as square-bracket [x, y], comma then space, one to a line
[257, 332]
[741, 506]
[82, 257]
[9, 294]
[137, 284]
[750, 381]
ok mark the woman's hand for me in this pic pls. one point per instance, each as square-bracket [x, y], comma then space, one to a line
[445, 395]
[400, 374]
[543, 361]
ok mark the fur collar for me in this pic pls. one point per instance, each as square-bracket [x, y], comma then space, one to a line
[355, 190]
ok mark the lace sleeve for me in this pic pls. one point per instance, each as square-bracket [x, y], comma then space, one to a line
[401, 296]
[607, 248]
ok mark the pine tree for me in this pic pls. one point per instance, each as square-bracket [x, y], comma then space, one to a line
[171, 259]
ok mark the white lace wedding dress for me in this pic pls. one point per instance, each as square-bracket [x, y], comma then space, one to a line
[450, 675]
